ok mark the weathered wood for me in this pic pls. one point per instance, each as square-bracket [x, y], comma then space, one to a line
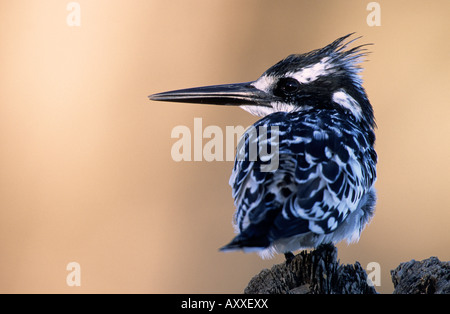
[429, 276]
[314, 272]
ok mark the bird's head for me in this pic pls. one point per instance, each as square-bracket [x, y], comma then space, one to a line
[326, 78]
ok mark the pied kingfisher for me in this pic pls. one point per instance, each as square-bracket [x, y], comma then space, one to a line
[323, 188]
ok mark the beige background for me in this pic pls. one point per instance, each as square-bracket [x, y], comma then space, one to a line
[85, 164]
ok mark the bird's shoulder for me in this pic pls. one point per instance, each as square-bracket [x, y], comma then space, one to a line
[314, 136]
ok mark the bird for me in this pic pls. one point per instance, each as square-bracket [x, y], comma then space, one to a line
[316, 111]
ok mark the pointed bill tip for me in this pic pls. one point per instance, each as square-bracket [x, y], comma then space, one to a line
[165, 96]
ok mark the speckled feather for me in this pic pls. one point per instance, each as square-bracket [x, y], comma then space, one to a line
[326, 166]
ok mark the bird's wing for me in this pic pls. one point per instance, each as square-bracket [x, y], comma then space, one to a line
[323, 172]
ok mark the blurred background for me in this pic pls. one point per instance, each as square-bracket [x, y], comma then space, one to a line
[86, 173]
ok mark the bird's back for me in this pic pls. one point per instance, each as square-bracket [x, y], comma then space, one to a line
[321, 190]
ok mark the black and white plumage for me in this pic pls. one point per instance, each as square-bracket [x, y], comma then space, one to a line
[322, 188]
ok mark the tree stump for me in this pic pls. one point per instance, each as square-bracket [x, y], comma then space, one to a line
[429, 276]
[314, 272]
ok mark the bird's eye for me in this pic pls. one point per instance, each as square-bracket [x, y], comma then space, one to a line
[288, 85]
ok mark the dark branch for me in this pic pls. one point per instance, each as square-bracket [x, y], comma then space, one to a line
[314, 272]
[425, 277]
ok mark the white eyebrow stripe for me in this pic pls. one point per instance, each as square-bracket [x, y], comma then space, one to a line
[264, 83]
[348, 102]
[312, 72]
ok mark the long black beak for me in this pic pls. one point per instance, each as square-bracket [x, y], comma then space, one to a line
[227, 94]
